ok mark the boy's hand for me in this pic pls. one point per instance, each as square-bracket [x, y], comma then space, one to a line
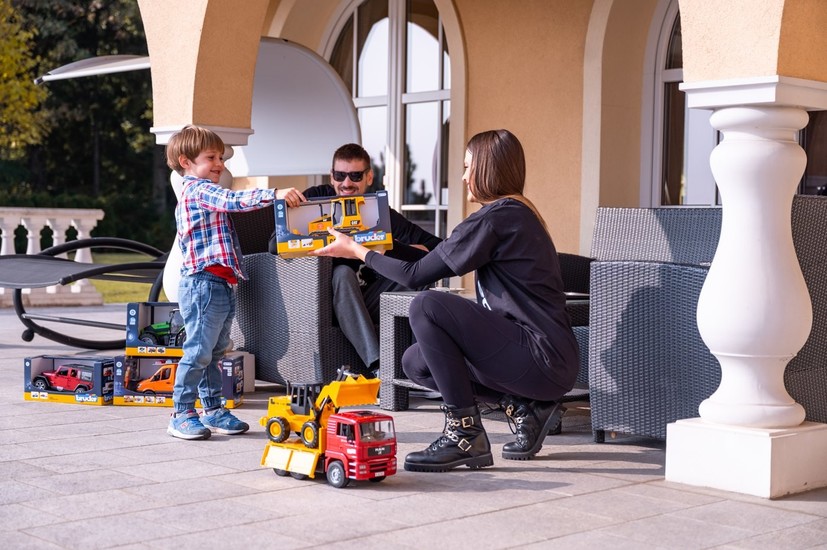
[291, 195]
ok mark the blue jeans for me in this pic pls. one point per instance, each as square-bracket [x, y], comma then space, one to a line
[207, 305]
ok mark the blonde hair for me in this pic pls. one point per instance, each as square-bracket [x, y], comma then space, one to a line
[190, 141]
[498, 169]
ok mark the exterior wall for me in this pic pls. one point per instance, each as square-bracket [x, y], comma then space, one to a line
[624, 46]
[525, 74]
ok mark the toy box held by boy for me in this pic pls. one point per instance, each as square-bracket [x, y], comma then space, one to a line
[366, 218]
[154, 329]
[69, 379]
[148, 381]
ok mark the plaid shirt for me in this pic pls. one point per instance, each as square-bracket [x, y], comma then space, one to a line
[205, 231]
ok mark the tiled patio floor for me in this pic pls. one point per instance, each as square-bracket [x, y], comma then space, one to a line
[74, 476]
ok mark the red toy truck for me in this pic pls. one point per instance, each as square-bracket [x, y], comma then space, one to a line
[345, 445]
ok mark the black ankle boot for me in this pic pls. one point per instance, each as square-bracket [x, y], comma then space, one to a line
[463, 442]
[533, 420]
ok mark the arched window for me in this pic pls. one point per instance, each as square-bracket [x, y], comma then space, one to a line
[678, 171]
[393, 56]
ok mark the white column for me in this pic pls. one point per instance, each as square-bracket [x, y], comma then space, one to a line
[33, 225]
[754, 310]
[84, 226]
[59, 226]
[7, 226]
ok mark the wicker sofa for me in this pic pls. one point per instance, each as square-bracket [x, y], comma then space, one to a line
[648, 365]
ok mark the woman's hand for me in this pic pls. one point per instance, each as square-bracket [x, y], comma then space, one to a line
[291, 195]
[342, 247]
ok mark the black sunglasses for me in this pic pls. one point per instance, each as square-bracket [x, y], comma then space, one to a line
[355, 177]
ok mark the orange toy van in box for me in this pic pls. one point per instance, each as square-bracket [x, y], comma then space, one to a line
[162, 381]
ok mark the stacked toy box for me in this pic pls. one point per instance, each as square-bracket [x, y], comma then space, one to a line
[145, 374]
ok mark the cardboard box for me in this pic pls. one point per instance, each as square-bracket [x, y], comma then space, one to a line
[69, 379]
[154, 329]
[366, 218]
[249, 368]
[148, 381]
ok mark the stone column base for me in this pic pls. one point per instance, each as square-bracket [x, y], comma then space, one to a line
[768, 463]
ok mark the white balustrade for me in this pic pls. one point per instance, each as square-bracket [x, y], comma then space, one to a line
[59, 220]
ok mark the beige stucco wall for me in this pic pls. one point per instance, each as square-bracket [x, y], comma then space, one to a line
[525, 73]
[195, 46]
[748, 38]
[624, 47]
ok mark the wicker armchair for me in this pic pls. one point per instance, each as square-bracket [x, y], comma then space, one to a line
[284, 313]
[647, 363]
[806, 374]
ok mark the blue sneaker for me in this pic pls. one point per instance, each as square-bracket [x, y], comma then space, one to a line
[187, 425]
[222, 421]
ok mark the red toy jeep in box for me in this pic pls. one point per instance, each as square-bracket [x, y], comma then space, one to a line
[72, 377]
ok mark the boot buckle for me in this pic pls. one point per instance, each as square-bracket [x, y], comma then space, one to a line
[467, 421]
[464, 445]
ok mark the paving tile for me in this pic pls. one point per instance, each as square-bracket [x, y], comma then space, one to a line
[14, 517]
[160, 472]
[12, 491]
[189, 490]
[104, 532]
[758, 518]
[22, 541]
[589, 540]
[809, 535]
[92, 504]
[76, 462]
[243, 536]
[671, 531]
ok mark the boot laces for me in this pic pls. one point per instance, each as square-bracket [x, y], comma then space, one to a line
[449, 430]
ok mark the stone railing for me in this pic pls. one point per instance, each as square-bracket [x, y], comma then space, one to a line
[59, 220]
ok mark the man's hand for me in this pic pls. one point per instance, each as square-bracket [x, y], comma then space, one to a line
[342, 247]
[291, 195]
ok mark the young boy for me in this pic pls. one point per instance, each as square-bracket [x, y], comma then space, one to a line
[210, 270]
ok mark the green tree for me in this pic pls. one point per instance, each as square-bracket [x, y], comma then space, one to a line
[21, 122]
[96, 142]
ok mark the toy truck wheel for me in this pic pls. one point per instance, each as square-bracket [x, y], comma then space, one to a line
[81, 389]
[40, 384]
[280, 472]
[336, 474]
[310, 434]
[298, 476]
[148, 338]
[278, 429]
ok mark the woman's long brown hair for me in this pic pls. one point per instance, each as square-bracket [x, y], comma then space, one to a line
[498, 169]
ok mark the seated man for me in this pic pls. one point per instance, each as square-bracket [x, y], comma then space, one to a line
[356, 288]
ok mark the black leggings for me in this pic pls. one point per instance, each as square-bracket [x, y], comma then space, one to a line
[464, 350]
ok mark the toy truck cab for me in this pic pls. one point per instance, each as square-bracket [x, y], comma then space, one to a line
[360, 445]
[162, 381]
